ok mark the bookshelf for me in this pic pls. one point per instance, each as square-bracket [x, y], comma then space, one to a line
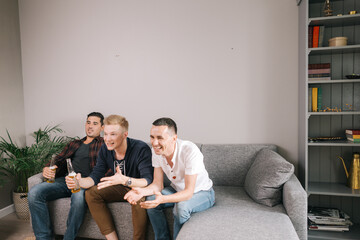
[320, 170]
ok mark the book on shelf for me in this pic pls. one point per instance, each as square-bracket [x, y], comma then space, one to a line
[316, 36]
[353, 135]
[352, 131]
[318, 65]
[315, 99]
[319, 71]
[321, 35]
[319, 75]
[310, 99]
[320, 79]
[319, 100]
[329, 228]
[315, 41]
[310, 36]
[353, 139]
[328, 219]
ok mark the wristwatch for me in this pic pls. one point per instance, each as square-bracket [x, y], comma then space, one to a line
[128, 182]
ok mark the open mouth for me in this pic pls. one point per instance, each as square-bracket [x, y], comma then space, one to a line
[157, 148]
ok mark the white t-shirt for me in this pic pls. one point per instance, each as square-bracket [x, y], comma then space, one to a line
[187, 160]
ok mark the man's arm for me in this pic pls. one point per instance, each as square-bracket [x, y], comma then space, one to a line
[157, 185]
[180, 196]
[98, 170]
[87, 182]
[119, 178]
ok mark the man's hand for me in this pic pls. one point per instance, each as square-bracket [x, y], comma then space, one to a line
[134, 195]
[49, 173]
[118, 178]
[70, 182]
[154, 203]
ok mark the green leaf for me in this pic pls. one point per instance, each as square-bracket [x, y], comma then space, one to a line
[19, 163]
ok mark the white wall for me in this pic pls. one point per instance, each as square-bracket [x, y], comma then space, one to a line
[11, 87]
[225, 71]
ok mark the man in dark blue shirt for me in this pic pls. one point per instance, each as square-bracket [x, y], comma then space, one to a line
[130, 160]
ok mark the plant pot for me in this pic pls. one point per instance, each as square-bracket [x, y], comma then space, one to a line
[21, 205]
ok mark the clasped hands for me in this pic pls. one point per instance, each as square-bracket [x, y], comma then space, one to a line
[136, 194]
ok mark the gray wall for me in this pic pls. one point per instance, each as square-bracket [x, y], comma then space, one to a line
[226, 71]
[11, 90]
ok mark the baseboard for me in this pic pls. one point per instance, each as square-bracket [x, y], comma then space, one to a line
[7, 210]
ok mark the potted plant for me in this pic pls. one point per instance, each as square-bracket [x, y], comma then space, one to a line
[17, 164]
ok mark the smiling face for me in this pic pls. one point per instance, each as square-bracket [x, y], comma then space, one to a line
[93, 127]
[162, 140]
[114, 136]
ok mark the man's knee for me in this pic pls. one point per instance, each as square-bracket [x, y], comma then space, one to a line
[78, 199]
[93, 195]
[181, 212]
[90, 193]
[35, 193]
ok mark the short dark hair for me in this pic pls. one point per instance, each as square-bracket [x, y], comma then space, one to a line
[97, 114]
[166, 122]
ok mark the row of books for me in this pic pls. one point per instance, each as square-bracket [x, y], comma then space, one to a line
[315, 99]
[319, 71]
[316, 36]
[328, 219]
[353, 135]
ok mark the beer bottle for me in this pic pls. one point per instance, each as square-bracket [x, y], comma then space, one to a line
[72, 174]
[52, 168]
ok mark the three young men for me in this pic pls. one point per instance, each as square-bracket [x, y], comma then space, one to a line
[83, 154]
[132, 161]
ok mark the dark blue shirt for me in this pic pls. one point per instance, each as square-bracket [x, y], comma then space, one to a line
[137, 161]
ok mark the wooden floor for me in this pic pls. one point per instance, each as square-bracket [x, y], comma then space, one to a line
[13, 228]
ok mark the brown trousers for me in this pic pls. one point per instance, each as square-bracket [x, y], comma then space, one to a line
[97, 199]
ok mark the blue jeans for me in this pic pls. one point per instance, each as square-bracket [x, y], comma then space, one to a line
[44, 192]
[200, 201]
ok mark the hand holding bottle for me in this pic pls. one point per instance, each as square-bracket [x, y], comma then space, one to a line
[71, 179]
[49, 172]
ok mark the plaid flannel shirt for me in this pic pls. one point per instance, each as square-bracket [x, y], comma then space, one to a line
[69, 151]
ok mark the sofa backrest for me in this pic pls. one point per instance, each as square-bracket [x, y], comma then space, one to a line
[227, 164]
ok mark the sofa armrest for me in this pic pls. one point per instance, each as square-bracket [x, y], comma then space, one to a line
[35, 179]
[295, 203]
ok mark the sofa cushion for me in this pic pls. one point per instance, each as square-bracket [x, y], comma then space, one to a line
[227, 164]
[236, 216]
[266, 177]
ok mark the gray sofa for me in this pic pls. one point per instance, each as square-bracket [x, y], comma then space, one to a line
[235, 214]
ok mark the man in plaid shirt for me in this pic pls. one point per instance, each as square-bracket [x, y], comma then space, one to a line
[83, 154]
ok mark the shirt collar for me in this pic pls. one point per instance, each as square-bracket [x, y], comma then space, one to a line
[97, 139]
[173, 160]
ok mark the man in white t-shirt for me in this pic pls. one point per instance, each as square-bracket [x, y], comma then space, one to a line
[191, 188]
